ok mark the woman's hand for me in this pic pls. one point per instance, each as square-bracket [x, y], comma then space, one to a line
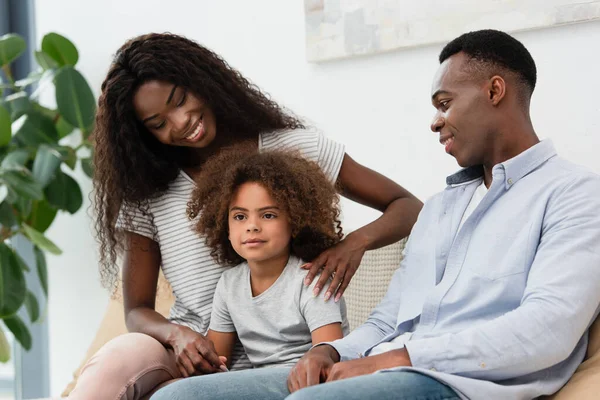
[195, 354]
[339, 262]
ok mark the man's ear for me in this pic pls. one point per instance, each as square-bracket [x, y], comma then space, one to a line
[496, 89]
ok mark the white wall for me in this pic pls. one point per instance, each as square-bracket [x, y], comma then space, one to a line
[378, 106]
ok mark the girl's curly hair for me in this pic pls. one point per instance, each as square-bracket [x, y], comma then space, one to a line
[131, 166]
[296, 184]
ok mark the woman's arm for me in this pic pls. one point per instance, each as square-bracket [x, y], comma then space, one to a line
[327, 333]
[224, 342]
[140, 276]
[400, 210]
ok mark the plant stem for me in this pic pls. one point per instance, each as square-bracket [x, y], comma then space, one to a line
[5, 233]
[8, 73]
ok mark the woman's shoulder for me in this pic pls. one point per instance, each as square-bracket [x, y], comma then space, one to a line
[290, 139]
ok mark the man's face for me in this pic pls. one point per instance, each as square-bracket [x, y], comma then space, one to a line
[463, 118]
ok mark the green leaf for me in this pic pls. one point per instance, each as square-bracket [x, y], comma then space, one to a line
[22, 262]
[20, 330]
[4, 347]
[40, 240]
[16, 158]
[12, 282]
[32, 78]
[69, 156]
[42, 269]
[32, 306]
[11, 47]
[60, 49]
[23, 206]
[18, 104]
[46, 162]
[75, 99]
[7, 215]
[63, 127]
[42, 215]
[22, 183]
[45, 61]
[5, 130]
[88, 166]
[3, 193]
[64, 193]
[33, 129]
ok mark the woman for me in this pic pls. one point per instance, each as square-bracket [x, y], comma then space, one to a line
[167, 104]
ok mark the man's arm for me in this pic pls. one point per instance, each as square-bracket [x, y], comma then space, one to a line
[561, 299]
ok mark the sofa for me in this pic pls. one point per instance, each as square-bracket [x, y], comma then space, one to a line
[365, 291]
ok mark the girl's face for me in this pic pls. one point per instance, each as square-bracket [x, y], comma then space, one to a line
[174, 115]
[259, 230]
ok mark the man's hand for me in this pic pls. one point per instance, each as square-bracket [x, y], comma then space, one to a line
[369, 365]
[313, 368]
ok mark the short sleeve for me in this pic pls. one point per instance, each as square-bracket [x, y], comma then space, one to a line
[316, 311]
[137, 220]
[312, 144]
[220, 320]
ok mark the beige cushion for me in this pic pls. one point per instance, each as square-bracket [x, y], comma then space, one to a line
[113, 323]
[585, 383]
[370, 283]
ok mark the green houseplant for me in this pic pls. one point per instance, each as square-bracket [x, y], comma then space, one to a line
[38, 144]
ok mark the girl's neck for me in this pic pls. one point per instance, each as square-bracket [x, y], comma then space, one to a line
[263, 274]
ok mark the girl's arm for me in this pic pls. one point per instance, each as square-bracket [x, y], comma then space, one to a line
[224, 342]
[327, 333]
[140, 275]
[400, 210]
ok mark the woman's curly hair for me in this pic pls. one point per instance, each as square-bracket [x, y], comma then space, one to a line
[296, 184]
[130, 165]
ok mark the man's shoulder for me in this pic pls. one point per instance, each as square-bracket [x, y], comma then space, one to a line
[569, 175]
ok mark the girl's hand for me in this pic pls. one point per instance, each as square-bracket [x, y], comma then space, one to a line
[195, 355]
[340, 262]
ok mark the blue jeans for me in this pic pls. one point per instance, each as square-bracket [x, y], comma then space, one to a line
[271, 384]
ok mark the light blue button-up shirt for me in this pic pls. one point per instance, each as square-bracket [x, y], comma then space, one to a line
[499, 309]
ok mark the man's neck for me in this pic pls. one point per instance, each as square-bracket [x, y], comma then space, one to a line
[511, 142]
[263, 274]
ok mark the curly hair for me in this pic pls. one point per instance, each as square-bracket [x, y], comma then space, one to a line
[131, 165]
[296, 184]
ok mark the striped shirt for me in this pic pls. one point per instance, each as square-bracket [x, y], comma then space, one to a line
[186, 261]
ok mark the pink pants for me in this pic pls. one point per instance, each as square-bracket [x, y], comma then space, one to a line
[129, 367]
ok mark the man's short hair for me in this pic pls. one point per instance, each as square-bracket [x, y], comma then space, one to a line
[491, 51]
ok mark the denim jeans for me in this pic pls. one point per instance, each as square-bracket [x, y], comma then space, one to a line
[271, 384]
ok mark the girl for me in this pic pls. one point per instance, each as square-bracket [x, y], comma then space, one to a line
[267, 212]
[167, 105]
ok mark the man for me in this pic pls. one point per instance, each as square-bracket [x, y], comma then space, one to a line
[501, 276]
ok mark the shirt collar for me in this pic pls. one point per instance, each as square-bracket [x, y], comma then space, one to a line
[514, 168]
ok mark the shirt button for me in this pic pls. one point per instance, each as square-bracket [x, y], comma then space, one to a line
[482, 365]
[433, 369]
[510, 182]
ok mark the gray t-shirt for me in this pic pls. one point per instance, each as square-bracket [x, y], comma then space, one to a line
[275, 326]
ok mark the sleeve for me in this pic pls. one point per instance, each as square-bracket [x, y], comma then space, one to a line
[316, 311]
[331, 156]
[561, 299]
[220, 320]
[136, 219]
[312, 145]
